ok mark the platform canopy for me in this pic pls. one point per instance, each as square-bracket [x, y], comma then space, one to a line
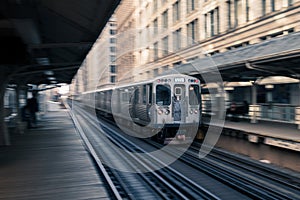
[45, 41]
[274, 57]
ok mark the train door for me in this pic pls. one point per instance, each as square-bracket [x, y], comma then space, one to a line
[194, 103]
[179, 103]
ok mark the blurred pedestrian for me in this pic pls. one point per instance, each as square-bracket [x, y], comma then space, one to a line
[33, 107]
[245, 107]
[26, 114]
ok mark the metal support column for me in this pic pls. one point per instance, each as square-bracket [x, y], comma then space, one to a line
[4, 135]
[21, 125]
[297, 111]
[254, 104]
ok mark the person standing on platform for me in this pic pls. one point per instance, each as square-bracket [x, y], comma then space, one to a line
[33, 108]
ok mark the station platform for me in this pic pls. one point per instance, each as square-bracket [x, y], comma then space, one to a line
[49, 162]
[283, 135]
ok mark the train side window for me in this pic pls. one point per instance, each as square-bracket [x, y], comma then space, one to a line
[144, 94]
[136, 95]
[163, 95]
[125, 97]
[150, 94]
[194, 95]
[178, 91]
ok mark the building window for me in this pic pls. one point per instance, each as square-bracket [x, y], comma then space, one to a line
[155, 26]
[205, 26]
[113, 40]
[165, 19]
[113, 32]
[218, 20]
[236, 13]
[113, 79]
[177, 39]
[176, 11]
[155, 48]
[264, 7]
[191, 5]
[229, 14]
[192, 32]
[112, 58]
[165, 42]
[113, 69]
[212, 23]
[290, 2]
[113, 49]
[273, 5]
[247, 10]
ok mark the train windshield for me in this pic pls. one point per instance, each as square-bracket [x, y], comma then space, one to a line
[194, 95]
[163, 95]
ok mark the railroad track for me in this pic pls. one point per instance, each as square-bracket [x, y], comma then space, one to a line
[256, 181]
[228, 170]
[162, 184]
[261, 169]
[254, 184]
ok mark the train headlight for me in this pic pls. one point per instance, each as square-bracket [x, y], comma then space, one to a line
[191, 112]
[196, 111]
[167, 112]
[159, 111]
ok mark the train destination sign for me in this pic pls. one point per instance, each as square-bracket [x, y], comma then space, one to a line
[179, 80]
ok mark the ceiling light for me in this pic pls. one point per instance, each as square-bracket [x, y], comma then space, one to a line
[49, 73]
[269, 86]
[51, 78]
[229, 88]
[43, 61]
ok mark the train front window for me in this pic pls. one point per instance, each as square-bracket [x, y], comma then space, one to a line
[194, 95]
[163, 95]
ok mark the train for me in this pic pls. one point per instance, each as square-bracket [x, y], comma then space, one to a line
[166, 108]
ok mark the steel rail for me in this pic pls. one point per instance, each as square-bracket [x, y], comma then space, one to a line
[93, 153]
[159, 192]
[174, 172]
[232, 177]
[265, 171]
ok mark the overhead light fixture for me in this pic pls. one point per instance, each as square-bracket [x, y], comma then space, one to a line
[51, 78]
[49, 73]
[229, 88]
[62, 84]
[53, 82]
[43, 61]
[269, 86]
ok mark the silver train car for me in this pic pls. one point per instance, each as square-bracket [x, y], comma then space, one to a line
[168, 106]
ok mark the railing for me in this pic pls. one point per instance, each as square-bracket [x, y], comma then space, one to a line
[271, 112]
[297, 116]
[274, 112]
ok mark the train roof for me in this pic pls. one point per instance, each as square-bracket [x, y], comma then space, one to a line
[137, 83]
